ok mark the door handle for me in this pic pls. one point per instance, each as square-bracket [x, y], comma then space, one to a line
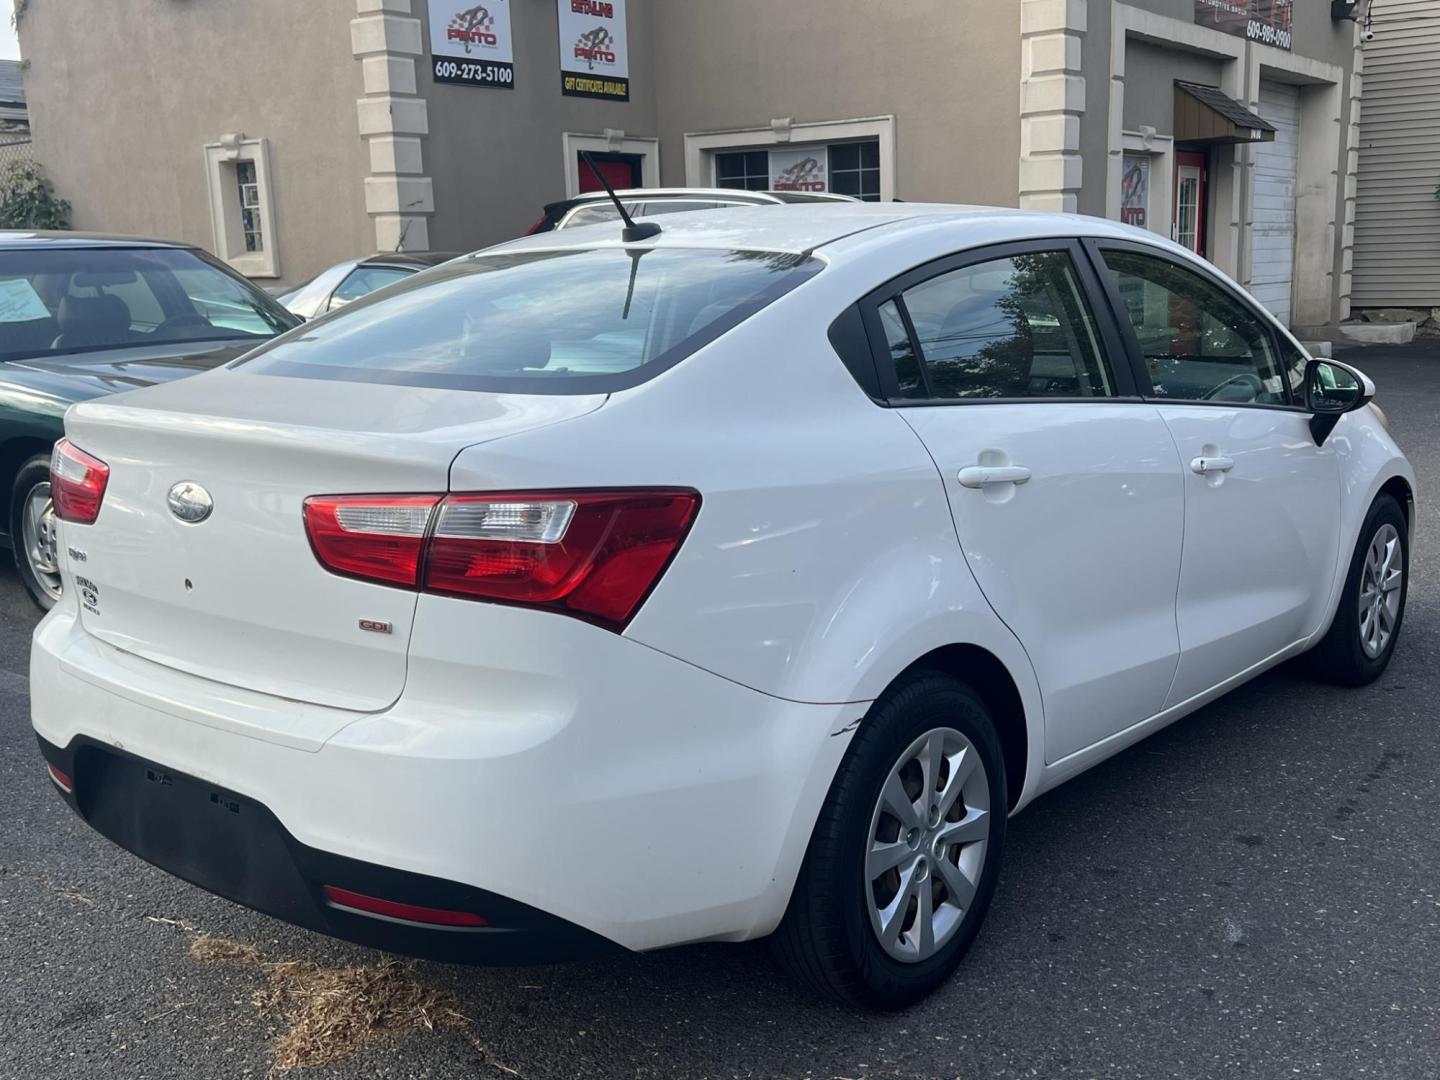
[1216, 463]
[979, 476]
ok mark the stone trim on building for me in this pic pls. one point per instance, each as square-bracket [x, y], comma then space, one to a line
[1052, 100]
[393, 120]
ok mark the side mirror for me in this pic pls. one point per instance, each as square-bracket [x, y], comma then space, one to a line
[1331, 390]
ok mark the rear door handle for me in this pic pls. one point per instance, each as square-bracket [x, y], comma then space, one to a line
[979, 476]
[1216, 463]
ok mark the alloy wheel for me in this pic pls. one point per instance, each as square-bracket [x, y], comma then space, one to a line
[1380, 583]
[927, 844]
[38, 535]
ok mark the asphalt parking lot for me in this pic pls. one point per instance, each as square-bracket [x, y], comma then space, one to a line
[1253, 892]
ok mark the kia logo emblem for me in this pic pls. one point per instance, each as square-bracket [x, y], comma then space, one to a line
[190, 502]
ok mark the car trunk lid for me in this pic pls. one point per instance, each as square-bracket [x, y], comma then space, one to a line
[239, 597]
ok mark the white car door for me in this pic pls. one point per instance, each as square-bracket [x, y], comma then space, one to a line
[1065, 488]
[1262, 501]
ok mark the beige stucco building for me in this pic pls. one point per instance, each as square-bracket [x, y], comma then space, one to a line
[289, 136]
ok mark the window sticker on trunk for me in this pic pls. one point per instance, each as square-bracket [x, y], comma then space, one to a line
[19, 302]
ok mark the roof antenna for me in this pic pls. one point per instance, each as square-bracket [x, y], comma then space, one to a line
[633, 232]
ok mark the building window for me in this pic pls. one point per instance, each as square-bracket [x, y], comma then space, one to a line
[851, 168]
[748, 170]
[855, 170]
[249, 206]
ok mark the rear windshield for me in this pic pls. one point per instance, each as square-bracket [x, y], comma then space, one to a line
[551, 322]
[66, 300]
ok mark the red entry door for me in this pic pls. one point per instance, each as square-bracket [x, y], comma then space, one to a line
[1189, 202]
[620, 170]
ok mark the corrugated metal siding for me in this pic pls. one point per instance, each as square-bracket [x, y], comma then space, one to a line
[1397, 217]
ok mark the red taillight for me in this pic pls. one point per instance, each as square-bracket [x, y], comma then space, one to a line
[377, 538]
[592, 554]
[77, 483]
[390, 909]
[62, 779]
[539, 225]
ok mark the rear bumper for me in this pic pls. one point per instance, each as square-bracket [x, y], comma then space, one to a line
[232, 846]
[574, 788]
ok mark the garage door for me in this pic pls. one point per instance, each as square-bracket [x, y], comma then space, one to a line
[1272, 266]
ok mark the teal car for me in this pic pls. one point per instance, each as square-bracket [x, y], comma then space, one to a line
[83, 316]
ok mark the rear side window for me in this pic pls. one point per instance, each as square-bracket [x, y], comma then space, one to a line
[1017, 327]
[595, 214]
[364, 280]
[577, 321]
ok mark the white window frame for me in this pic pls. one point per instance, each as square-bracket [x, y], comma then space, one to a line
[702, 146]
[220, 160]
[646, 148]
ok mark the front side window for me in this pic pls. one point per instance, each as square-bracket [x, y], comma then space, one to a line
[1008, 328]
[575, 321]
[73, 300]
[1200, 343]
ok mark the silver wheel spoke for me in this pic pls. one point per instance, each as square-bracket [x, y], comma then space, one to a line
[925, 917]
[962, 767]
[892, 918]
[898, 802]
[960, 888]
[930, 762]
[972, 827]
[886, 857]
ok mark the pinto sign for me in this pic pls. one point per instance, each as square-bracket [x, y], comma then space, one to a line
[594, 49]
[470, 43]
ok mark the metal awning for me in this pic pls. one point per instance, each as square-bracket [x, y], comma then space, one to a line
[1204, 115]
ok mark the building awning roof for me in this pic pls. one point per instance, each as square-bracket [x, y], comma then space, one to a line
[1203, 114]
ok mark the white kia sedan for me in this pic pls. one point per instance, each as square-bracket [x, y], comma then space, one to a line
[584, 594]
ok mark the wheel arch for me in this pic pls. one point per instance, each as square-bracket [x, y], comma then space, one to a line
[1398, 488]
[13, 454]
[987, 675]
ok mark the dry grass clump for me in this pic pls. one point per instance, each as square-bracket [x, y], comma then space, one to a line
[331, 1012]
[328, 1013]
[214, 950]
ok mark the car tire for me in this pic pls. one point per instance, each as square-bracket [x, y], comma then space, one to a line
[831, 937]
[1357, 649]
[32, 532]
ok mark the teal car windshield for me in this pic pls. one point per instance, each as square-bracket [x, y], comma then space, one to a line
[67, 300]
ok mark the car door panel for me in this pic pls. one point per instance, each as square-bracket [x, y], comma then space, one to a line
[1262, 501]
[1081, 559]
[1258, 538]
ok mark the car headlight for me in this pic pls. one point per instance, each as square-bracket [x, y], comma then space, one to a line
[1380, 415]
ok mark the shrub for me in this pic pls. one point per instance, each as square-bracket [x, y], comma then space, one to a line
[27, 201]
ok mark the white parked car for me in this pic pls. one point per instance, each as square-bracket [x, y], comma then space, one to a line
[738, 582]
